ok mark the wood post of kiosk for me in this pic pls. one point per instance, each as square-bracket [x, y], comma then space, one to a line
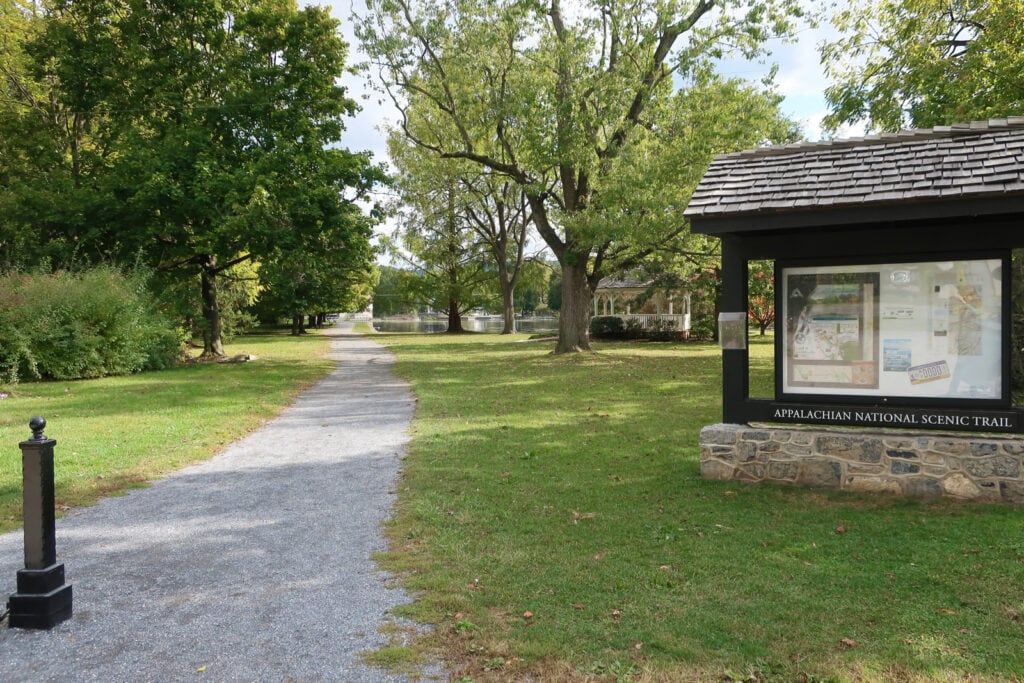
[735, 382]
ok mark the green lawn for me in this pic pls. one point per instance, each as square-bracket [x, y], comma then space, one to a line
[119, 432]
[553, 523]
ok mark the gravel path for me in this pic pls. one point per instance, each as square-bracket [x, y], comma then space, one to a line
[253, 566]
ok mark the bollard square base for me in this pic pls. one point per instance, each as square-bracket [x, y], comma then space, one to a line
[43, 599]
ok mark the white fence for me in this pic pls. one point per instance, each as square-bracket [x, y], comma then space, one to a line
[646, 320]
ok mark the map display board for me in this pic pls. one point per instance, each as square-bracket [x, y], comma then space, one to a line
[922, 329]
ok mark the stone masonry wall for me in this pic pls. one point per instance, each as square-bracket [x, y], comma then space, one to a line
[968, 467]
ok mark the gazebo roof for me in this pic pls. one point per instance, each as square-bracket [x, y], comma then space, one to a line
[623, 283]
[978, 168]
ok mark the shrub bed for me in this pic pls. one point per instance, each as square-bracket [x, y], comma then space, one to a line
[81, 325]
[612, 327]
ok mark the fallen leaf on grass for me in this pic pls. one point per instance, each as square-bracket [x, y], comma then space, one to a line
[577, 516]
[527, 614]
[840, 529]
[847, 644]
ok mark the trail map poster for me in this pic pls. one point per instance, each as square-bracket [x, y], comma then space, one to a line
[922, 329]
[832, 324]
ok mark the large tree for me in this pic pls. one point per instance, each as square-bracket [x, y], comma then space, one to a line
[567, 103]
[235, 163]
[198, 134]
[499, 214]
[490, 205]
[436, 240]
[323, 262]
[924, 63]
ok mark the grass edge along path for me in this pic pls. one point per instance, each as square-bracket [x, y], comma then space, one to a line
[118, 433]
[554, 526]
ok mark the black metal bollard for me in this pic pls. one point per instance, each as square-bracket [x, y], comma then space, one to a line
[43, 599]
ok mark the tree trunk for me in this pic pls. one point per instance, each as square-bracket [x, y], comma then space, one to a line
[297, 325]
[574, 319]
[213, 338]
[454, 319]
[507, 300]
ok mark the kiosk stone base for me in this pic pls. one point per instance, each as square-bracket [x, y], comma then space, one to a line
[967, 467]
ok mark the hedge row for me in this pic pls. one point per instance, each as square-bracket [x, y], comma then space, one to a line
[613, 327]
[81, 325]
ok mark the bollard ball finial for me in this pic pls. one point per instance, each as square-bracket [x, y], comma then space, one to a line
[37, 425]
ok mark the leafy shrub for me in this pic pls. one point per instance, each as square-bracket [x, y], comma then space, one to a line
[703, 328]
[76, 326]
[634, 330]
[664, 331]
[613, 327]
[607, 327]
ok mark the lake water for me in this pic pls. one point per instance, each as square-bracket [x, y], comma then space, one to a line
[490, 325]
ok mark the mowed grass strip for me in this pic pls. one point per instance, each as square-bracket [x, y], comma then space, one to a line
[120, 432]
[553, 522]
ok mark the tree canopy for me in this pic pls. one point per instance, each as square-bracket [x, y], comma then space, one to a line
[924, 63]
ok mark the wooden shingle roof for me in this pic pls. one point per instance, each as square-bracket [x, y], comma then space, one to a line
[969, 169]
[623, 283]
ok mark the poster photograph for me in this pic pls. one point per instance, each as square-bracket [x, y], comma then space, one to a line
[921, 329]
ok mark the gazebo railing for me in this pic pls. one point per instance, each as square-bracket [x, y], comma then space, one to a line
[646, 320]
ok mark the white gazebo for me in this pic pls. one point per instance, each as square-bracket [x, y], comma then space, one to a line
[621, 297]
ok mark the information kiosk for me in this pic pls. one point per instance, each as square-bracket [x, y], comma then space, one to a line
[892, 338]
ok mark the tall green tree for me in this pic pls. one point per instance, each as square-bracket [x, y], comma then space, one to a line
[924, 63]
[452, 270]
[490, 205]
[565, 102]
[499, 214]
[198, 133]
[236, 162]
[391, 295]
